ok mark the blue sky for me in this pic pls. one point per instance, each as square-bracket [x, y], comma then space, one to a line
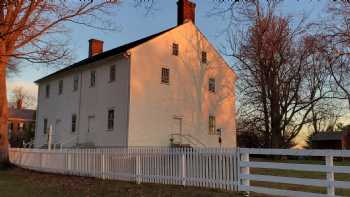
[134, 24]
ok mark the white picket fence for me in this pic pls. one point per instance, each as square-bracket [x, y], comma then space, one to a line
[227, 169]
[212, 168]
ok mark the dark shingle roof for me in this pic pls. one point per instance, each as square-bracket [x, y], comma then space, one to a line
[323, 136]
[106, 54]
[25, 114]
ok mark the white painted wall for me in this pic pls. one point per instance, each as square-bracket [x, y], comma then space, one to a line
[154, 105]
[87, 102]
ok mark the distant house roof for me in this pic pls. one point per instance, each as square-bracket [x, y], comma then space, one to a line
[325, 136]
[106, 54]
[23, 114]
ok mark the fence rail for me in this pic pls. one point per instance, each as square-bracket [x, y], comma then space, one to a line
[228, 169]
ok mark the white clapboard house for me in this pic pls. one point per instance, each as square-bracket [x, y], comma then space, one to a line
[170, 88]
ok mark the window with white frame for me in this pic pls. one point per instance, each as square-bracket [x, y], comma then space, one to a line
[60, 87]
[75, 83]
[165, 75]
[45, 125]
[175, 49]
[74, 123]
[110, 121]
[47, 91]
[211, 85]
[204, 57]
[92, 78]
[112, 73]
[212, 125]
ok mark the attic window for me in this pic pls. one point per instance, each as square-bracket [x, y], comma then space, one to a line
[60, 87]
[47, 91]
[112, 73]
[211, 85]
[204, 57]
[175, 49]
[75, 83]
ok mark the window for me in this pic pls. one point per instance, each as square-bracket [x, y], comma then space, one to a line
[112, 73]
[92, 78]
[212, 85]
[212, 125]
[165, 75]
[175, 49]
[60, 87]
[110, 119]
[74, 122]
[204, 57]
[75, 83]
[45, 125]
[47, 92]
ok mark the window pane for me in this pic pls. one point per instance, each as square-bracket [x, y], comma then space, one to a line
[76, 83]
[165, 75]
[74, 122]
[211, 85]
[175, 49]
[112, 73]
[45, 126]
[47, 91]
[110, 122]
[92, 78]
[204, 57]
[212, 125]
[60, 87]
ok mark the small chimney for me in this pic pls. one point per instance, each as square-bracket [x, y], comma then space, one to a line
[19, 104]
[95, 47]
[186, 11]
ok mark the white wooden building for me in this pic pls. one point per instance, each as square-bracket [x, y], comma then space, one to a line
[171, 87]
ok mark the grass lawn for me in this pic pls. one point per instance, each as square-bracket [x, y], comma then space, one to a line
[17, 182]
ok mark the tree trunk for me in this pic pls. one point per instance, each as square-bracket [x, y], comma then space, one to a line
[3, 107]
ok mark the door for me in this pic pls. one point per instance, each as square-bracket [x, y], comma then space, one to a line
[177, 129]
[57, 132]
[91, 129]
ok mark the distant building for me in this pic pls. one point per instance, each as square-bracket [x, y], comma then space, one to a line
[331, 140]
[20, 120]
[170, 88]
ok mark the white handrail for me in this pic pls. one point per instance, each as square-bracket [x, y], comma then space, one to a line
[68, 141]
[188, 137]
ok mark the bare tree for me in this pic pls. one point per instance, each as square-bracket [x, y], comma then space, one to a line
[336, 47]
[20, 94]
[282, 76]
[29, 30]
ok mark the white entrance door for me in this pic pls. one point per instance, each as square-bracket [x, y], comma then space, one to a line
[177, 129]
[57, 132]
[91, 129]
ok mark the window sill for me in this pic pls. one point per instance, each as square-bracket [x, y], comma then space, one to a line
[164, 83]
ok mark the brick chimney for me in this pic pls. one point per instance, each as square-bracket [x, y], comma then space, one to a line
[95, 47]
[19, 104]
[186, 11]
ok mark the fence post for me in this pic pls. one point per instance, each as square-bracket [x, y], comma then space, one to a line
[183, 164]
[330, 176]
[103, 165]
[246, 170]
[50, 138]
[138, 169]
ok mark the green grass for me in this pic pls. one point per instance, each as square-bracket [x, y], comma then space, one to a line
[17, 182]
